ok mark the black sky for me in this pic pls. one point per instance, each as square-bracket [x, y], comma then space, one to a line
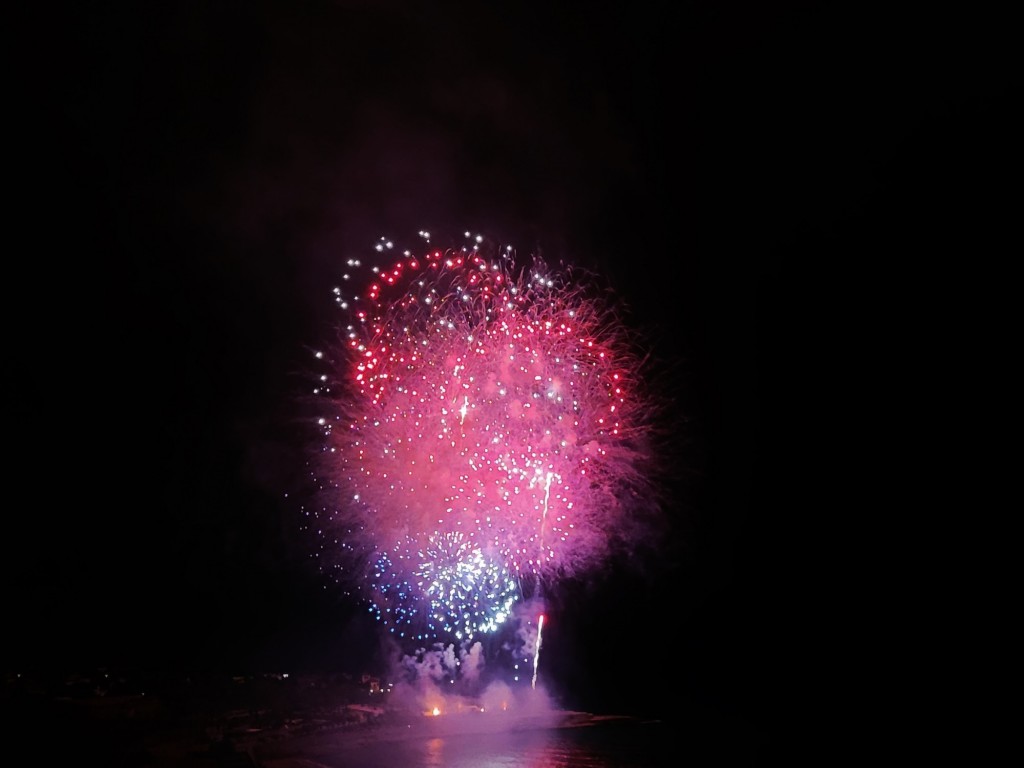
[762, 186]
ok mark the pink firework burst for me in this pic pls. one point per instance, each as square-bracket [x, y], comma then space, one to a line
[485, 430]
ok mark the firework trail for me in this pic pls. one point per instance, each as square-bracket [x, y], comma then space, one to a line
[536, 650]
[484, 432]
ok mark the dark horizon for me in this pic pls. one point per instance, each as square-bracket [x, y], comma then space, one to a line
[762, 188]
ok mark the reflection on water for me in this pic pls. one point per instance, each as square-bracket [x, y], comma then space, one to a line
[433, 753]
[615, 744]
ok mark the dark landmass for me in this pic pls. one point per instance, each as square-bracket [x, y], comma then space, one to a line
[203, 720]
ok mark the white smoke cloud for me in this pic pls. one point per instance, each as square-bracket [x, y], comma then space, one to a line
[450, 679]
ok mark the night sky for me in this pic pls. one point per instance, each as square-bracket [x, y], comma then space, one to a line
[762, 186]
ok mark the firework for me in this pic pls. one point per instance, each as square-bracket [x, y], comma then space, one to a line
[536, 650]
[484, 432]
